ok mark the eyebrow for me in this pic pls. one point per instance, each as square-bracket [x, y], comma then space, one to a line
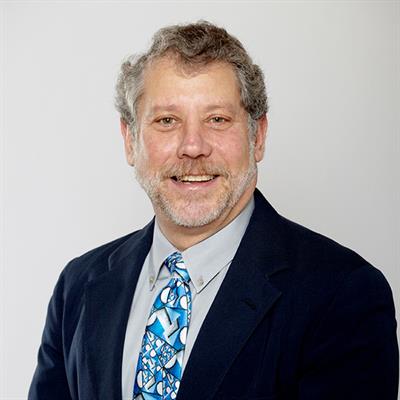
[230, 107]
[173, 107]
[163, 107]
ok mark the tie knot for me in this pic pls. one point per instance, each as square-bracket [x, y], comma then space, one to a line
[175, 263]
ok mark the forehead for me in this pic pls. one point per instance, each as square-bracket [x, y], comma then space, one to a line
[166, 77]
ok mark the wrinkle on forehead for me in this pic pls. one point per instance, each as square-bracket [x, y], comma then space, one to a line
[158, 71]
[174, 107]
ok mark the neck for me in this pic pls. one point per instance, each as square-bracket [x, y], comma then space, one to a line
[183, 237]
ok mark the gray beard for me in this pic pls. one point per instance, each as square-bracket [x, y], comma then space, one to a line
[227, 200]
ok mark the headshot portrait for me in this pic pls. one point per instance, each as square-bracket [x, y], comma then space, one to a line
[200, 200]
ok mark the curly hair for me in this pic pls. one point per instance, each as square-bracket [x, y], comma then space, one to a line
[193, 45]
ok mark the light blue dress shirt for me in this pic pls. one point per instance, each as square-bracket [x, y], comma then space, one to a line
[207, 263]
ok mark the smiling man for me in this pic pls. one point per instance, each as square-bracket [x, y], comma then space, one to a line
[218, 297]
[193, 156]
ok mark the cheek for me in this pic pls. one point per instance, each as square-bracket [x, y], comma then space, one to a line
[156, 151]
[235, 151]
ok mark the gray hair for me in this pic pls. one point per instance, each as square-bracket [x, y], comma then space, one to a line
[192, 45]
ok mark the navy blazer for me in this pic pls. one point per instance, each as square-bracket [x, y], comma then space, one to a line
[298, 316]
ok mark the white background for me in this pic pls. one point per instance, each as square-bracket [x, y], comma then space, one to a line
[332, 160]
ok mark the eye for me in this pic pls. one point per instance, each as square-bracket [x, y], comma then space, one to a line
[218, 119]
[166, 121]
[219, 122]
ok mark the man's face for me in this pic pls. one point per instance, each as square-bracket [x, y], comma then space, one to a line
[192, 152]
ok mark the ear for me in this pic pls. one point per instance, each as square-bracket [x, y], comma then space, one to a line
[128, 142]
[261, 134]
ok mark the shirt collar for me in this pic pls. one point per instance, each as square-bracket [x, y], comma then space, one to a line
[205, 259]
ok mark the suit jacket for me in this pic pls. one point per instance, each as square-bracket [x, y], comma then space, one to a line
[298, 316]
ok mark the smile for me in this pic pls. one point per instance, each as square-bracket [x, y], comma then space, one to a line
[194, 178]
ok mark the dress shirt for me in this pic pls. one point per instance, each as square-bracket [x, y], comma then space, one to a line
[207, 263]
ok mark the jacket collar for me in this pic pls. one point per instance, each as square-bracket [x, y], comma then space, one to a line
[244, 298]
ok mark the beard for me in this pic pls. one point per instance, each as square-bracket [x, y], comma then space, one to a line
[196, 209]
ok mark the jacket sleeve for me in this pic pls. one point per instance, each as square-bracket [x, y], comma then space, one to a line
[50, 380]
[353, 353]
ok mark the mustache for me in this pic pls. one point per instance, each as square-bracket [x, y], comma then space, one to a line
[194, 167]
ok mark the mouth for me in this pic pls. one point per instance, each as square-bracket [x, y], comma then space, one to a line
[190, 179]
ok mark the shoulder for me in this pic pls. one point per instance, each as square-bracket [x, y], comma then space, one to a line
[323, 266]
[90, 265]
[315, 262]
[309, 249]
[303, 249]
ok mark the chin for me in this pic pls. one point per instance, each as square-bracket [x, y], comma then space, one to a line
[192, 212]
[194, 219]
[191, 215]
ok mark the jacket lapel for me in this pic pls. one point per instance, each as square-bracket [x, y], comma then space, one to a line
[107, 306]
[244, 298]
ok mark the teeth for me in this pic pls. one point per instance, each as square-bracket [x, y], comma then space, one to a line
[195, 178]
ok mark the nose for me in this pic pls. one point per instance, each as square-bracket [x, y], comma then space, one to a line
[193, 143]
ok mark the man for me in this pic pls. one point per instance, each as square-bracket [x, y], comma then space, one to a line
[219, 297]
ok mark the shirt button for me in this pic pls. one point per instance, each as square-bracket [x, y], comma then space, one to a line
[151, 279]
[200, 281]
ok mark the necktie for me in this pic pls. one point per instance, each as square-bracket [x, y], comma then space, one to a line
[159, 368]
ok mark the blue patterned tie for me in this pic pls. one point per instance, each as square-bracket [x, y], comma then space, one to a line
[159, 368]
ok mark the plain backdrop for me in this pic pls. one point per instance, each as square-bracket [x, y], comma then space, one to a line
[332, 157]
